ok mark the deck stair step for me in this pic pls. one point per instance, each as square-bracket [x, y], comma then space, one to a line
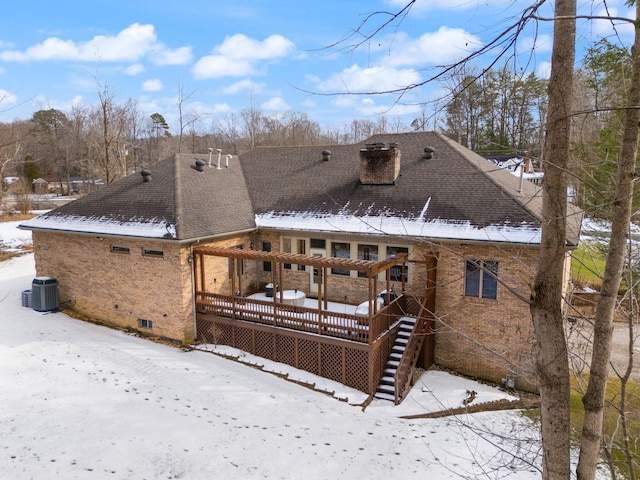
[385, 396]
[390, 389]
[386, 388]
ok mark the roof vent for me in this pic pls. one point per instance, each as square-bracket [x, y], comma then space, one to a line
[428, 153]
[146, 175]
[200, 165]
[326, 155]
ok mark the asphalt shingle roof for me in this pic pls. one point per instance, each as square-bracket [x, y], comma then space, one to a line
[458, 184]
[454, 186]
[186, 202]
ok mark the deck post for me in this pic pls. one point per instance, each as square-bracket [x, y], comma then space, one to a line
[202, 280]
[320, 292]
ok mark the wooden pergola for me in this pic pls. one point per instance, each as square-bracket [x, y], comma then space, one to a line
[371, 268]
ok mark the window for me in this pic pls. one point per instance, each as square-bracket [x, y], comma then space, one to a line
[149, 252]
[318, 243]
[367, 252]
[286, 248]
[294, 245]
[395, 272]
[241, 262]
[340, 250]
[266, 247]
[118, 249]
[302, 250]
[480, 279]
[143, 323]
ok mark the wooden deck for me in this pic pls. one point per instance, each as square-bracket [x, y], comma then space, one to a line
[347, 326]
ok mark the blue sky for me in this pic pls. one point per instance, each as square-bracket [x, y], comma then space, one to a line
[227, 55]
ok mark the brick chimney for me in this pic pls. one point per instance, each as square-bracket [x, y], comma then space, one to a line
[379, 164]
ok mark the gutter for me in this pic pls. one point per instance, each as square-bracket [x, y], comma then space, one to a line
[185, 241]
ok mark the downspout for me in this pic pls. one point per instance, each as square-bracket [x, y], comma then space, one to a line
[193, 290]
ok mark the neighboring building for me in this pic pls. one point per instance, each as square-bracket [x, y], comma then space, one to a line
[40, 186]
[521, 167]
[178, 251]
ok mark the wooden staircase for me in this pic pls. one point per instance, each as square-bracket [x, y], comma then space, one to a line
[387, 387]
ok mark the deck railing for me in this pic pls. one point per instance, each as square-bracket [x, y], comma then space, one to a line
[357, 328]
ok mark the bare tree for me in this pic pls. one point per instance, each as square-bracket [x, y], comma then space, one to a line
[552, 366]
[187, 120]
[111, 124]
[594, 399]
[547, 292]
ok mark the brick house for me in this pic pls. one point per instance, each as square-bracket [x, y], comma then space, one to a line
[435, 245]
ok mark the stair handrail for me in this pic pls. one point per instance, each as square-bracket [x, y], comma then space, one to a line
[403, 375]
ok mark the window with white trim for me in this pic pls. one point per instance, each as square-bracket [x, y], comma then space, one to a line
[144, 323]
[296, 246]
[341, 250]
[481, 279]
[367, 252]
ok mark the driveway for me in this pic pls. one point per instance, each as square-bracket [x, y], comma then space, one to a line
[579, 340]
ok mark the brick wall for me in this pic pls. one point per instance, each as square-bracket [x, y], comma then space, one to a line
[217, 275]
[480, 337]
[120, 288]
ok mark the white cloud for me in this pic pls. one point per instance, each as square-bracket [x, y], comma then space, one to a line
[356, 79]
[443, 46]
[221, 108]
[242, 86]
[215, 66]
[541, 44]
[605, 28]
[238, 55]
[543, 70]
[367, 106]
[134, 69]
[41, 102]
[131, 44]
[179, 56]
[275, 104]
[240, 46]
[153, 85]
[7, 98]
[308, 103]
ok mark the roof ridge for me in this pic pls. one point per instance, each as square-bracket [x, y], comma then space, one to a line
[508, 183]
[177, 178]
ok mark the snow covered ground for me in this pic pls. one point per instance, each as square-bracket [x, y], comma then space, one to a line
[81, 401]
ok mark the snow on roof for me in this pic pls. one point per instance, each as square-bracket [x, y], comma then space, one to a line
[381, 225]
[306, 221]
[149, 228]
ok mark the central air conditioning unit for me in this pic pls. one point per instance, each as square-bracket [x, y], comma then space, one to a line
[44, 294]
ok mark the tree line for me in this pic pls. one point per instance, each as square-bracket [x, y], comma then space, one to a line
[499, 112]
